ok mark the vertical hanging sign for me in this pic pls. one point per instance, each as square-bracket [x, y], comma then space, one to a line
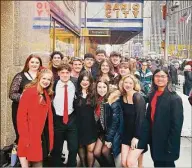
[41, 19]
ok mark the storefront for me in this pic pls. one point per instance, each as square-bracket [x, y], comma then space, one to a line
[65, 27]
[38, 27]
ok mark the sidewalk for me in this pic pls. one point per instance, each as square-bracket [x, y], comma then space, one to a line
[185, 155]
[184, 160]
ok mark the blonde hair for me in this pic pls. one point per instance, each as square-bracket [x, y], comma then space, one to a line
[38, 78]
[136, 87]
[114, 95]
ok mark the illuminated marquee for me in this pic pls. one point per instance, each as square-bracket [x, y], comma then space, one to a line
[124, 8]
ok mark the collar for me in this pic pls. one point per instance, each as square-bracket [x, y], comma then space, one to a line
[61, 84]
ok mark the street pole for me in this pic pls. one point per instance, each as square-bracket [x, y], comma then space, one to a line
[189, 48]
[166, 32]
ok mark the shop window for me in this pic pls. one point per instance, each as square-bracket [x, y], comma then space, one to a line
[64, 40]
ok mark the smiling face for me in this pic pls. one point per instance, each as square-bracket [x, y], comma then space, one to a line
[115, 60]
[45, 80]
[102, 89]
[105, 68]
[56, 60]
[124, 71]
[161, 79]
[77, 66]
[144, 66]
[85, 82]
[88, 62]
[128, 84]
[64, 75]
[99, 57]
[34, 64]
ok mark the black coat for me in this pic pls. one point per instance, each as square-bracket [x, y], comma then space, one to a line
[164, 135]
[113, 121]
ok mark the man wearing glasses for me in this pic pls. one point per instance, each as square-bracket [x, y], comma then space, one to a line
[145, 77]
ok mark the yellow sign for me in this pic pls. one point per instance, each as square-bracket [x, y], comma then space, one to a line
[124, 8]
[176, 50]
[95, 32]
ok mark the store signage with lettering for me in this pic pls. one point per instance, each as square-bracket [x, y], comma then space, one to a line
[124, 8]
[42, 9]
[99, 32]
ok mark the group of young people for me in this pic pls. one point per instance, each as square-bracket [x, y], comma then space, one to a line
[96, 105]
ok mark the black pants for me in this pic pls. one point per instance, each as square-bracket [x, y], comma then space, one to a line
[62, 131]
[164, 164]
[14, 120]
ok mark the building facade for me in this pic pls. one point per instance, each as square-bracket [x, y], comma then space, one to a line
[33, 27]
[179, 32]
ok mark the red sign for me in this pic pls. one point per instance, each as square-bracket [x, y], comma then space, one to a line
[42, 9]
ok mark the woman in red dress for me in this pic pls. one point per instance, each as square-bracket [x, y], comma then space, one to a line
[35, 120]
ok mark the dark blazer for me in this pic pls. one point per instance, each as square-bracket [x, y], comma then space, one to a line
[113, 116]
[94, 70]
[164, 135]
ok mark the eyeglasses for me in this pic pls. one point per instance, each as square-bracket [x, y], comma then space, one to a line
[161, 76]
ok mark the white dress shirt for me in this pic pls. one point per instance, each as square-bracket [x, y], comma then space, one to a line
[58, 101]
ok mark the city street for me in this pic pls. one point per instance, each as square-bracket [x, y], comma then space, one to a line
[64, 65]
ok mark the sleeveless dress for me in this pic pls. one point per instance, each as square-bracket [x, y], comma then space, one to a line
[85, 122]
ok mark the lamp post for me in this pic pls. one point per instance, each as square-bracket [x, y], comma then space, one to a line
[166, 31]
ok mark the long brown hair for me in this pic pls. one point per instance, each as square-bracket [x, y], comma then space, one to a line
[90, 88]
[26, 67]
[35, 82]
[97, 95]
[110, 73]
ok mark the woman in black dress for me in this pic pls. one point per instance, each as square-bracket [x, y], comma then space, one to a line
[134, 108]
[29, 72]
[85, 118]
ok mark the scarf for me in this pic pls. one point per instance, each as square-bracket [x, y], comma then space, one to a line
[98, 108]
[153, 104]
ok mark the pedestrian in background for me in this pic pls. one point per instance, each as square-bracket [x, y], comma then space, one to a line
[164, 119]
[145, 76]
[187, 86]
[35, 120]
[173, 70]
[29, 73]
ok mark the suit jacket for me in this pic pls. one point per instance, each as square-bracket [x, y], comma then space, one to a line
[164, 134]
[31, 119]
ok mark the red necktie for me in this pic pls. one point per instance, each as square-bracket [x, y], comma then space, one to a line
[65, 115]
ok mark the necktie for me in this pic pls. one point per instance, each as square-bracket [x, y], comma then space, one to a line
[65, 115]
